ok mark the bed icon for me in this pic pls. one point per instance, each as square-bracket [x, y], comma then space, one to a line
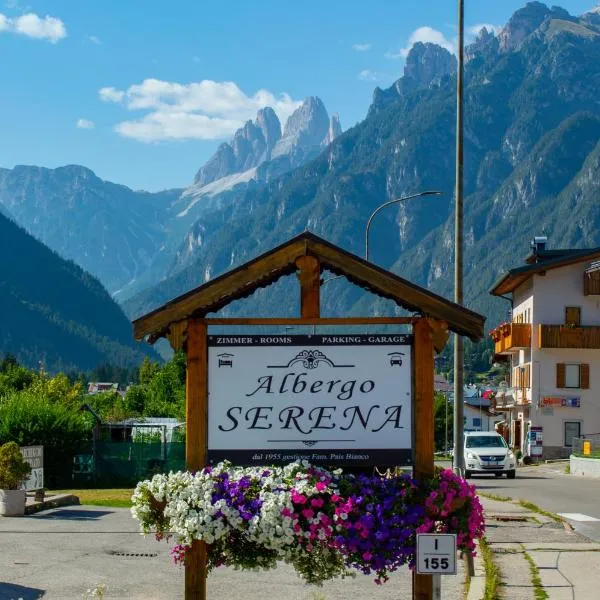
[225, 359]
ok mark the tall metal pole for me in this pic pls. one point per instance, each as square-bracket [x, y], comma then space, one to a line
[458, 463]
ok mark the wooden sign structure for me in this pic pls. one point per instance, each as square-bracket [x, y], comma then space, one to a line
[183, 321]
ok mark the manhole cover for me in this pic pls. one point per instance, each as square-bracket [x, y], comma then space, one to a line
[133, 554]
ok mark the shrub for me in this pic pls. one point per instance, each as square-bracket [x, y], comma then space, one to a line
[29, 419]
[13, 468]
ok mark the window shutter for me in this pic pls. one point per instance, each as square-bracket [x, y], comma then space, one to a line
[560, 375]
[584, 377]
[527, 382]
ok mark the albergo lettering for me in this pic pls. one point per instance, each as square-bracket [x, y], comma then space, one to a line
[298, 385]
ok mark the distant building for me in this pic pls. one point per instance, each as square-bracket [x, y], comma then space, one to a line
[553, 346]
[95, 387]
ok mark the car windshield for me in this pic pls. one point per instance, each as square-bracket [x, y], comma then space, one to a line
[485, 441]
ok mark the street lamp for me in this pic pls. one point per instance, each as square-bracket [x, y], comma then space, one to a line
[396, 201]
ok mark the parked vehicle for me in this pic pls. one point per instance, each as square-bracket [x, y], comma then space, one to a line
[487, 452]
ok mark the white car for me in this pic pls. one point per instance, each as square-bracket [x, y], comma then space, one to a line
[487, 452]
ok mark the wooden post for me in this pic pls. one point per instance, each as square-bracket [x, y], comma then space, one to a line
[196, 394]
[309, 275]
[424, 427]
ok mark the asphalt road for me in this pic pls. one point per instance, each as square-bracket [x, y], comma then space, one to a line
[552, 489]
[62, 553]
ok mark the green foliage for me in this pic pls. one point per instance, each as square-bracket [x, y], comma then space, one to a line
[439, 415]
[149, 437]
[13, 468]
[29, 418]
[161, 391]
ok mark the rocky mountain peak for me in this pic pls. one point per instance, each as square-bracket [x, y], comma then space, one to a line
[485, 44]
[269, 124]
[310, 118]
[306, 130]
[427, 63]
[251, 145]
[523, 22]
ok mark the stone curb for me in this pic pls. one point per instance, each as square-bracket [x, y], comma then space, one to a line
[477, 584]
[34, 506]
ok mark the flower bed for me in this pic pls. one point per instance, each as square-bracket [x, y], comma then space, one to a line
[326, 524]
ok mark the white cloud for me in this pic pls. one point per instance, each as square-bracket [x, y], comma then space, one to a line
[361, 47]
[425, 35]
[48, 28]
[200, 110]
[94, 39]
[474, 30]
[111, 94]
[85, 124]
[30, 25]
[368, 75]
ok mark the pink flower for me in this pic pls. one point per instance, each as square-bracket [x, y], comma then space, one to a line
[367, 556]
[320, 486]
[308, 513]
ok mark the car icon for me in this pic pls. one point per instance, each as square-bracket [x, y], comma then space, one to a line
[396, 358]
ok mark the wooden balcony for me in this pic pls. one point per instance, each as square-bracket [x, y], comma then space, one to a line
[510, 337]
[563, 336]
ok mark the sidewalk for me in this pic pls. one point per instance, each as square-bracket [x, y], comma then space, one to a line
[533, 553]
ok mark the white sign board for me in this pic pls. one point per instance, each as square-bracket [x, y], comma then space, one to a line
[343, 399]
[436, 553]
[34, 456]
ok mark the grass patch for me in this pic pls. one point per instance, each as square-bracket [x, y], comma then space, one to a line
[115, 498]
[492, 573]
[495, 497]
[535, 508]
[538, 588]
[568, 469]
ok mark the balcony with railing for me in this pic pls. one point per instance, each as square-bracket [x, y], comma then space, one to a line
[566, 336]
[510, 337]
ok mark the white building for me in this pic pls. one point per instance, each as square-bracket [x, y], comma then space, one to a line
[553, 344]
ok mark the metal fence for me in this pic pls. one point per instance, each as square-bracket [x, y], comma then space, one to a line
[587, 446]
[117, 463]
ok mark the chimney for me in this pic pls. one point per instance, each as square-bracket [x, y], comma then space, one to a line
[539, 243]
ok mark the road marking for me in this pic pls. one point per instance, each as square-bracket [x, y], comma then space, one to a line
[578, 517]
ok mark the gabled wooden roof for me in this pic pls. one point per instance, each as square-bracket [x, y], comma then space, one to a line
[550, 260]
[270, 266]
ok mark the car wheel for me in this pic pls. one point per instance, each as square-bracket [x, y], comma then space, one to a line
[511, 474]
[468, 474]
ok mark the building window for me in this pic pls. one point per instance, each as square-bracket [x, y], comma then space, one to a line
[573, 316]
[572, 430]
[573, 376]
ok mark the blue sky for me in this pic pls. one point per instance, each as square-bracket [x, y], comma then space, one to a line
[142, 91]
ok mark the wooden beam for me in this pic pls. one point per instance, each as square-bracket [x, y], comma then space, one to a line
[196, 444]
[424, 426]
[389, 285]
[318, 321]
[309, 274]
[177, 335]
[440, 334]
[222, 290]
